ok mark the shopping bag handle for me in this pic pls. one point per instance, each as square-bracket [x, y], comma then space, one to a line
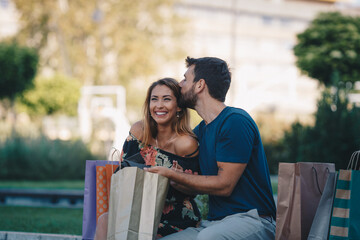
[352, 163]
[112, 157]
[317, 180]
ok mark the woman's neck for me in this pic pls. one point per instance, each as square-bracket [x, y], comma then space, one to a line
[164, 133]
[164, 136]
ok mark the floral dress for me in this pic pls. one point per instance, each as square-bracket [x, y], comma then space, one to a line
[180, 210]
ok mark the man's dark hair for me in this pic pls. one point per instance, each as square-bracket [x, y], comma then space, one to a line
[215, 72]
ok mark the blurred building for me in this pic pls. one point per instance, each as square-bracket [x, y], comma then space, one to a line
[8, 19]
[256, 38]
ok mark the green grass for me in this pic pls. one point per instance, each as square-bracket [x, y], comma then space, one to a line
[41, 220]
[274, 186]
[79, 184]
[76, 184]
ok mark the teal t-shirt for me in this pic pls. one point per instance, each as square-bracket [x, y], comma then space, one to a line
[234, 137]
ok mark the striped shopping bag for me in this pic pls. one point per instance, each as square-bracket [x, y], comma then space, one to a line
[345, 219]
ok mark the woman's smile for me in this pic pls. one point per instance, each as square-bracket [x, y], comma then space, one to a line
[163, 105]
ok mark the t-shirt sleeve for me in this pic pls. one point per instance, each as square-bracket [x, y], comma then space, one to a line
[235, 141]
[196, 130]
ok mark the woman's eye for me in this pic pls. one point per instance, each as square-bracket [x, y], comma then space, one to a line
[167, 99]
[153, 99]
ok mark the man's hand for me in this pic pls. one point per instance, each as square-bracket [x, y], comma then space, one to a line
[183, 188]
[163, 171]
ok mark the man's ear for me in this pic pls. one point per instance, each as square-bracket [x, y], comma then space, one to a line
[200, 85]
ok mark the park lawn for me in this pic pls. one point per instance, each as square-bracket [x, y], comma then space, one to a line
[274, 186]
[41, 220]
[71, 184]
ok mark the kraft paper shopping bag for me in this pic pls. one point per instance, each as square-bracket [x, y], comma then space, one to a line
[137, 199]
[300, 186]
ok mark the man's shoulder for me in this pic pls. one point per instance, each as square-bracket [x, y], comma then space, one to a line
[234, 115]
[237, 112]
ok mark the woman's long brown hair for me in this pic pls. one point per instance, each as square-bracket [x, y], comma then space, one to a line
[181, 125]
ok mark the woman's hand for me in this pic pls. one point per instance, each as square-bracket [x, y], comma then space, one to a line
[176, 167]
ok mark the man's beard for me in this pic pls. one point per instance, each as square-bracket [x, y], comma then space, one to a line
[189, 99]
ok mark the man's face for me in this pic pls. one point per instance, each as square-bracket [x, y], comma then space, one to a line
[188, 97]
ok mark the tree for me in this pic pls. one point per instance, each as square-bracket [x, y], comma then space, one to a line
[101, 42]
[333, 138]
[18, 66]
[330, 45]
[58, 94]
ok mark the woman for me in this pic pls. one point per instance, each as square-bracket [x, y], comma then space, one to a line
[164, 138]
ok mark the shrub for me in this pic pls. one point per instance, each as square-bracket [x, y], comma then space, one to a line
[42, 159]
[333, 138]
[58, 94]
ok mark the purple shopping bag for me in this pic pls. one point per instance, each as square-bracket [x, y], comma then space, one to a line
[89, 208]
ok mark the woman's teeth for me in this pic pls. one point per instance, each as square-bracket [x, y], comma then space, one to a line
[160, 113]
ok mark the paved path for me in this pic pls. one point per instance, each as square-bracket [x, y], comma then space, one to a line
[36, 236]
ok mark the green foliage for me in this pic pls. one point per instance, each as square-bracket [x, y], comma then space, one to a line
[18, 66]
[42, 159]
[41, 220]
[331, 44]
[333, 138]
[58, 94]
[101, 42]
[274, 151]
[203, 204]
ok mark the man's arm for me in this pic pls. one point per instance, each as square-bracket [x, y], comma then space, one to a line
[183, 188]
[221, 184]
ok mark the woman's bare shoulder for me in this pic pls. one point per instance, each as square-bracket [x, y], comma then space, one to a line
[186, 145]
[137, 129]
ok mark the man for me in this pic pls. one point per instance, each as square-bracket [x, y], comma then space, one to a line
[233, 164]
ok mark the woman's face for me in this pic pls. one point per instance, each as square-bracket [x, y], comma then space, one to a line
[163, 105]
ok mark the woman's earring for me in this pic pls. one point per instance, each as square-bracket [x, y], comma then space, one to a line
[177, 114]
